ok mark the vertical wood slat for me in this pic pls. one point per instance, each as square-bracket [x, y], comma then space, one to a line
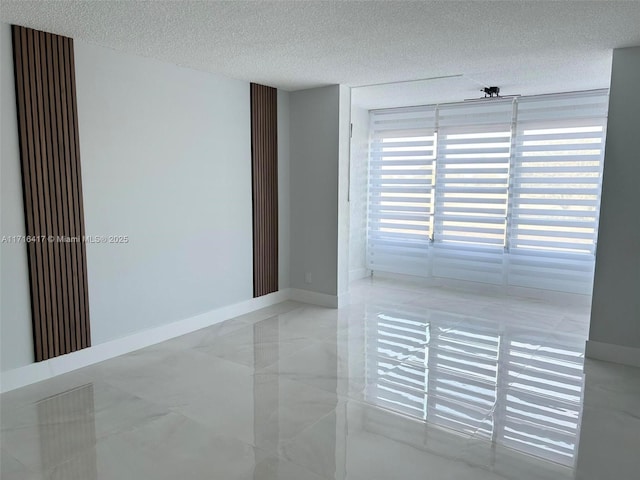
[52, 187]
[264, 170]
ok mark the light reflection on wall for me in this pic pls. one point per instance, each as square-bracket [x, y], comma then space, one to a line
[479, 377]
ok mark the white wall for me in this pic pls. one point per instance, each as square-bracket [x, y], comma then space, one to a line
[16, 346]
[615, 314]
[314, 188]
[166, 160]
[358, 193]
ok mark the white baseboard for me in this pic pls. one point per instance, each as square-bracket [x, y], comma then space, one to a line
[35, 372]
[314, 298]
[613, 353]
[358, 273]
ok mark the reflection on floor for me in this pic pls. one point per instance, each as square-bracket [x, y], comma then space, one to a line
[407, 381]
[478, 377]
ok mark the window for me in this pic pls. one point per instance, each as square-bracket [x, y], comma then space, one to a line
[499, 191]
[556, 191]
[401, 188]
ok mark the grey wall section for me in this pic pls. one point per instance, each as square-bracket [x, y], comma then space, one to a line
[16, 344]
[283, 189]
[615, 312]
[358, 196]
[166, 155]
[344, 148]
[314, 150]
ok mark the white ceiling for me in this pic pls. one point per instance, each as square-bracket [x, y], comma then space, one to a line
[524, 47]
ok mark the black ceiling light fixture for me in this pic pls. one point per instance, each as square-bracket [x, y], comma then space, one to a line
[490, 92]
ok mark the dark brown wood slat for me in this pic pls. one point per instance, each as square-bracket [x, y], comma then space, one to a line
[71, 267]
[79, 225]
[72, 199]
[64, 177]
[20, 59]
[49, 186]
[52, 188]
[86, 326]
[39, 212]
[55, 177]
[264, 170]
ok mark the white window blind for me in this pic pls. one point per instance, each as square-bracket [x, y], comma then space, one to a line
[556, 191]
[402, 155]
[498, 191]
[472, 180]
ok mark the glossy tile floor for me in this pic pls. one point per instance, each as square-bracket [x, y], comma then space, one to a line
[407, 382]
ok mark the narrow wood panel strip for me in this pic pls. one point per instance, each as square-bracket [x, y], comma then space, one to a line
[78, 284]
[84, 288]
[264, 163]
[65, 265]
[68, 207]
[52, 188]
[52, 216]
[20, 57]
[36, 173]
[55, 182]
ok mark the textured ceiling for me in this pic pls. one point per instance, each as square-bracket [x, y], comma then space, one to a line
[522, 46]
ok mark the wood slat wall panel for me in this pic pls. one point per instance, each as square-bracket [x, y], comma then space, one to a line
[264, 161]
[52, 186]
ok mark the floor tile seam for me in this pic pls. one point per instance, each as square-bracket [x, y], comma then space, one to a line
[267, 454]
[137, 395]
[306, 347]
[20, 462]
[310, 386]
[293, 338]
[212, 430]
[292, 440]
[253, 367]
[280, 455]
[217, 356]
